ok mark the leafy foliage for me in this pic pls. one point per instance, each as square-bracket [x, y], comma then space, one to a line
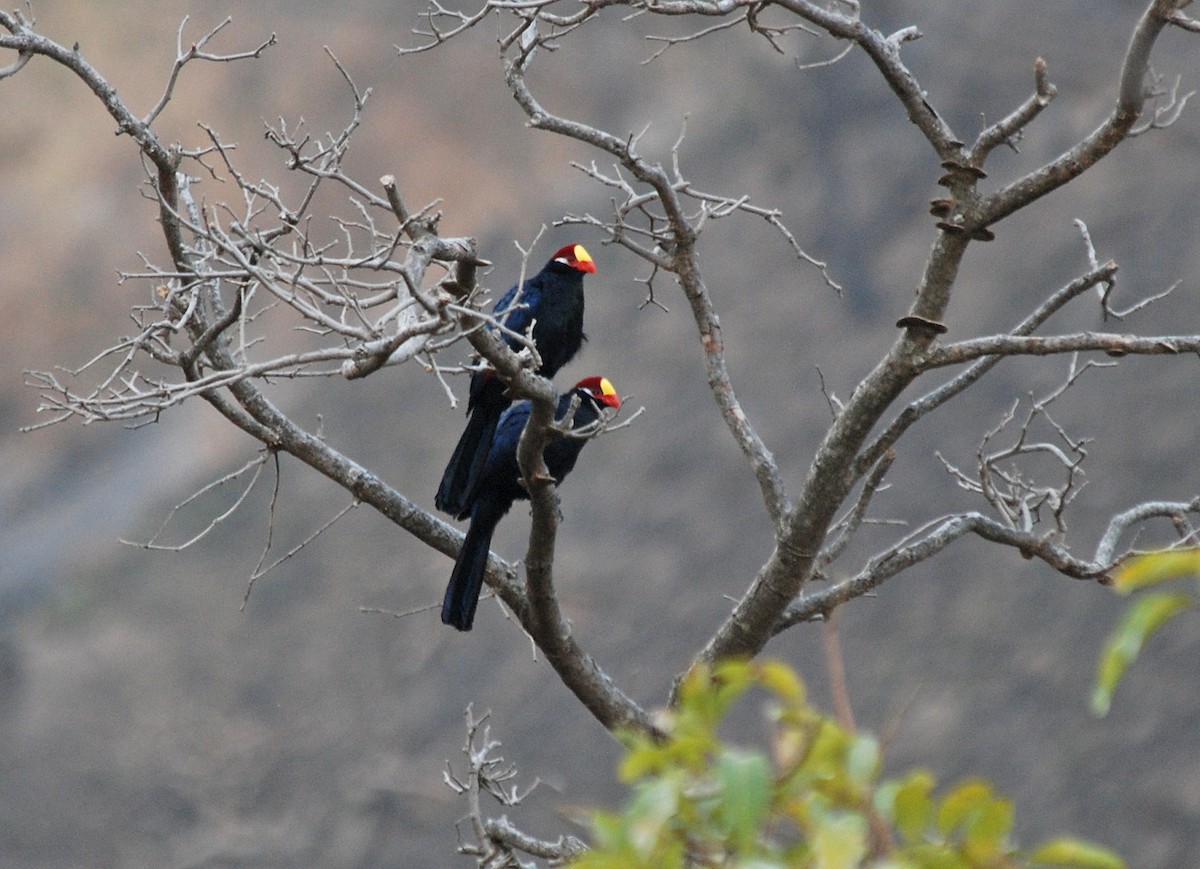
[1145, 615]
[812, 797]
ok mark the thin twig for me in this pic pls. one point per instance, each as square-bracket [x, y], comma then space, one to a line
[257, 463]
[260, 571]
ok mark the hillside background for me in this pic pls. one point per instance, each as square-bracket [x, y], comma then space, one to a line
[146, 721]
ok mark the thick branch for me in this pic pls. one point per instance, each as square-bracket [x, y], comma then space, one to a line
[683, 262]
[884, 52]
[1027, 345]
[947, 391]
[216, 369]
[1131, 100]
[538, 609]
[25, 41]
[947, 531]
[833, 473]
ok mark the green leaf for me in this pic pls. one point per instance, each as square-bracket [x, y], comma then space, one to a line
[745, 781]
[960, 804]
[642, 760]
[608, 830]
[827, 752]
[807, 800]
[1155, 568]
[731, 679]
[1075, 854]
[863, 759]
[987, 830]
[778, 677]
[1141, 620]
[912, 806]
[706, 695]
[936, 856]
[840, 842]
[650, 815]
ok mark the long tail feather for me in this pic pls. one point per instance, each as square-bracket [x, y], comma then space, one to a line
[466, 581]
[464, 466]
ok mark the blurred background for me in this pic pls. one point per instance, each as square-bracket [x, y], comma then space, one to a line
[146, 721]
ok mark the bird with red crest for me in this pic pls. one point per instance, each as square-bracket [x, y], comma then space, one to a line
[499, 484]
[552, 300]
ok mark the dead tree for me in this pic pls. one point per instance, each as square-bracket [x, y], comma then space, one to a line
[377, 285]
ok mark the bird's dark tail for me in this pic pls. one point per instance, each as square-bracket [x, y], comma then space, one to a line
[466, 582]
[467, 462]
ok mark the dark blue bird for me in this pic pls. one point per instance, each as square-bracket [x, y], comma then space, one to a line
[499, 484]
[553, 301]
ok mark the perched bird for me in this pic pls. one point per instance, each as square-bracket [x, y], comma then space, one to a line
[553, 301]
[499, 484]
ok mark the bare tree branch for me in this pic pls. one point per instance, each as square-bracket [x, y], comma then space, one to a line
[192, 305]
[677, 241]
[1051, 345]
[954, 387]
[937, 536]
[496, 842]
[836, 466]
[257, 464]
[1182, 21]
[196, 52]
[1131, 99]
[884, 52]
[258, 285]
[1007, 128]
[260, 571]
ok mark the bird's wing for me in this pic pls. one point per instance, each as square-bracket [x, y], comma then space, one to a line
[519, 318]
